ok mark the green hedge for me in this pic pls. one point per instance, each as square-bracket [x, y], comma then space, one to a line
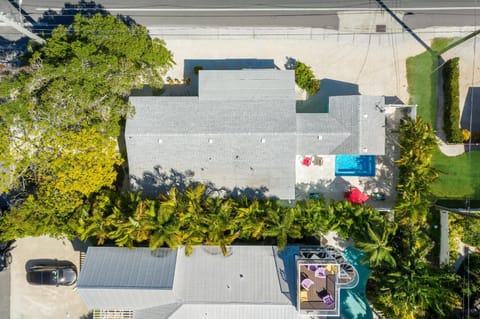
[305, 78]
[451, 115]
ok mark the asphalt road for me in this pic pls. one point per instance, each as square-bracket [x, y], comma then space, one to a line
[282, 13]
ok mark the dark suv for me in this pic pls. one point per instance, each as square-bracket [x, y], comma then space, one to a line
[52, 273]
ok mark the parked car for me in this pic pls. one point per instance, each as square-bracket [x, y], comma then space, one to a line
[52, 273]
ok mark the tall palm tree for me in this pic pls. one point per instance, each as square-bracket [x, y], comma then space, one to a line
[281, 222]
[377, 247]
[223, 222]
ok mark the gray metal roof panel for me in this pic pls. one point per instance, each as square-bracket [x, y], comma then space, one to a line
[125, 298]
[247, 275]
[249, 85]
[127, 268]
[235, 311]
[159, 312]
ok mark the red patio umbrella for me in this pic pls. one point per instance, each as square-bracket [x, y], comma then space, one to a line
[355, 196]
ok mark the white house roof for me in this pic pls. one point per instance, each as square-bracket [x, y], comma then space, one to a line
[122, 278]
[167, 283]
[244, 141]
[242, 134]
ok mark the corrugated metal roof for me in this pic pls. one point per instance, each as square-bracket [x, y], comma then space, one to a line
[247, 275]
[234, 311]
[123, 278]
[112, 298]
[226, 85]
[160, 312]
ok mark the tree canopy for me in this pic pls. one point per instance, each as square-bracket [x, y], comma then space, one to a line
[62, 114]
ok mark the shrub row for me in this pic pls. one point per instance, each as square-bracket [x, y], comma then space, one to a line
[305, 78]
[451, 115]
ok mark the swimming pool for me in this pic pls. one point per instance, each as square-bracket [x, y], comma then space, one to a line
[355, 165]
[354, 304]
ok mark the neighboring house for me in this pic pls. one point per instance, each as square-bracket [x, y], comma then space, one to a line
[251, 282]
[241, 134]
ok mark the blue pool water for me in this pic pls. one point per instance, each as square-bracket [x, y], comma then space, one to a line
[355, 165]
[354, 303]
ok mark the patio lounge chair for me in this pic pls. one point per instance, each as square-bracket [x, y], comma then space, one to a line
[312, 267]
[307, 283]
[328, 300]
[318, 161]
[321, 272]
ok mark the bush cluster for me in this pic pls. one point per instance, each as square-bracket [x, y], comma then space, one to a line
[451, 115]
[305, 78]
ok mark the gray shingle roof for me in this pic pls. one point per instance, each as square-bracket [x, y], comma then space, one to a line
[242, 132]
[355, 124]
[245, 141]
[226, 85]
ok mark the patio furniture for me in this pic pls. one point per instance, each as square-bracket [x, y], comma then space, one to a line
[318, 161]
[312, 267]
[355, 196]
[378, 196]
[307, 283]
[328, 300]
[303, 295]
[321, 272]
[316, 196]
[307, 161]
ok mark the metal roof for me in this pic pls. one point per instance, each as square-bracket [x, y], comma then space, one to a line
[123, 278]
[252, 277]
[234, 311]
[248, 275]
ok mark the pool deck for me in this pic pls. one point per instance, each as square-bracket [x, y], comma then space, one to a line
[321, 179]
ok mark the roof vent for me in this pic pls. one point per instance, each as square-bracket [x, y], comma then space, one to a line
[320, 137]
[365, 115]
[160, 141]
[365, 150]
[210, 141]
[263, 140]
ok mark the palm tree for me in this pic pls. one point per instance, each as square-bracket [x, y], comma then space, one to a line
[223, 222]
[377, 247]
[133, 218]
[281, 222]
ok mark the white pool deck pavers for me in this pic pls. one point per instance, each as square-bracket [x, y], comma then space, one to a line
[321, 179]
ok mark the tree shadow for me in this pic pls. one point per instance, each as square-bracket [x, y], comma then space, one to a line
[11, 51]
[160, 181]
[318, 103]
[51, 19]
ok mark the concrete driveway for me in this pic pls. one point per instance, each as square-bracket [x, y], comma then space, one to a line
[28, 301]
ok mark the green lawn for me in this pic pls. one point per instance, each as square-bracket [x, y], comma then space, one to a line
[460, 175]
[422, 78]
